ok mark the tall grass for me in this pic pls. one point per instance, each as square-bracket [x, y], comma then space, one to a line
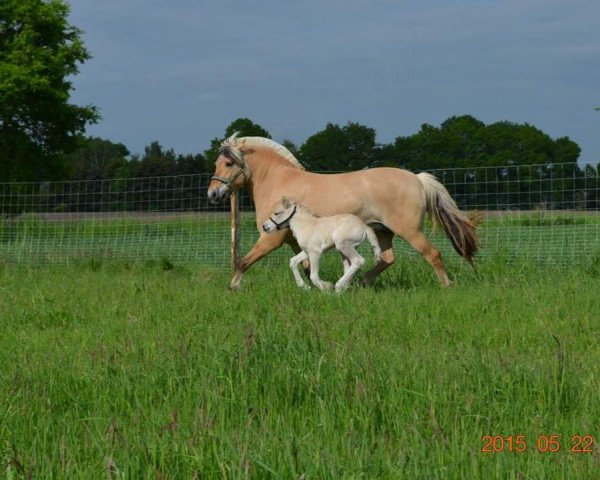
[157, 371]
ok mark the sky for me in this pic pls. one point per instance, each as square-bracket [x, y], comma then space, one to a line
[180, 71]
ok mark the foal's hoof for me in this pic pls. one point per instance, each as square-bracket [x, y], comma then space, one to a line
[327, 286]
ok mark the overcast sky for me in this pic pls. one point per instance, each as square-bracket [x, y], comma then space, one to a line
[180, 71]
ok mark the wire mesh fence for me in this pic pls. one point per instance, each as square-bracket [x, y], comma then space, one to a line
[542, 213]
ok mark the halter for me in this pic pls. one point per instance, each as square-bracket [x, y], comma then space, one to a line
[229, 180]
[277, 225]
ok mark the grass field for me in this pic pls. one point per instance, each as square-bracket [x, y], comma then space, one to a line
[156, 371]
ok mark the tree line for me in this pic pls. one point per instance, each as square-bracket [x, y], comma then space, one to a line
[459, 142]
[497, 166]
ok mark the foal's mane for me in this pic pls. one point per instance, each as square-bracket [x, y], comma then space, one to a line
[232, 147]
[301, 206]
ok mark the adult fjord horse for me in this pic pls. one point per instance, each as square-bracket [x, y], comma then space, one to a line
[391, 200]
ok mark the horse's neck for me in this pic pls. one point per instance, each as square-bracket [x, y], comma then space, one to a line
[266, 170]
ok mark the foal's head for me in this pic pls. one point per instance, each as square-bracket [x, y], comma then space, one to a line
[231, 171]
[281, 217]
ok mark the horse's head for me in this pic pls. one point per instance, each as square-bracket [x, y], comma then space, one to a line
[231, 171]
[281, 217]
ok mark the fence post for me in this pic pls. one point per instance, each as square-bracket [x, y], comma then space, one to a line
[235, 231]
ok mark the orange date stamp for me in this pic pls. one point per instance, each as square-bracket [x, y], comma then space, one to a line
[543, 443]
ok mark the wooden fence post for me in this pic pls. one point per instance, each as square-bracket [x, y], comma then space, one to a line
[235, 231]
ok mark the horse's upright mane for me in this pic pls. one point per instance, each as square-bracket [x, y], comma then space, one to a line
[235, 143]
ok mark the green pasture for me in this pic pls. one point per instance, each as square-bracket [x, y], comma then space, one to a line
[154, 370]
[556, 238]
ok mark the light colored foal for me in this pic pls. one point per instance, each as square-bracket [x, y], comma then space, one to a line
[316, 235]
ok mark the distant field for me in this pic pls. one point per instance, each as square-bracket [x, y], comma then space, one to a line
[153, 370]
[203, 238]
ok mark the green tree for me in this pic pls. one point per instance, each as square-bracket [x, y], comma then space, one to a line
[245, 126]
[465, 141]
[191, 164]
[97, 158]
[40, 52]
[351, 147]
[156, 162]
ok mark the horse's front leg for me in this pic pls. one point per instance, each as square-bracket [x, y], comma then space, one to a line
[266, 243]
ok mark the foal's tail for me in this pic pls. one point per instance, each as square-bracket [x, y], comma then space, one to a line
[374, 242]
[443, 210]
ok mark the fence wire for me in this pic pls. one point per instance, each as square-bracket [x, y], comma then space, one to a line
[542, 213]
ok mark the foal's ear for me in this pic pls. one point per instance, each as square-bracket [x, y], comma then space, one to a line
[285, 202]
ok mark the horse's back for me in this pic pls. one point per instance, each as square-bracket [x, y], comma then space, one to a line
[395, 174]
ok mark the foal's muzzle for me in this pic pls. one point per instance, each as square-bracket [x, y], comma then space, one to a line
[269, 226]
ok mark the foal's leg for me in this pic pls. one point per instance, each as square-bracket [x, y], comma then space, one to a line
[345, 262]
[387, 259]
[356, 261]
[314, 257]
[267, 242]
[294, 262]
[296, 249]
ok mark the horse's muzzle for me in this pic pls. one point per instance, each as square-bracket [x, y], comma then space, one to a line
[218, 195]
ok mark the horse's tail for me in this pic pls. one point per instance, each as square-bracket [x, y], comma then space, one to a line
[442, 210]
[374, 242]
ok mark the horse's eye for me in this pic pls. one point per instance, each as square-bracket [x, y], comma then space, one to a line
[277, 213]
[229, 164]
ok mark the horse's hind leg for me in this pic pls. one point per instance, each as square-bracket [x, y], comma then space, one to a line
[385, 238]
[354, 259]
[422, 245]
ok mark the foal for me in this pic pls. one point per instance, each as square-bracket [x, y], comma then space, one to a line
[316, 235]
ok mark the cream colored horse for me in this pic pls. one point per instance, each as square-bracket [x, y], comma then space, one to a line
[315, 235]
[391, 200]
